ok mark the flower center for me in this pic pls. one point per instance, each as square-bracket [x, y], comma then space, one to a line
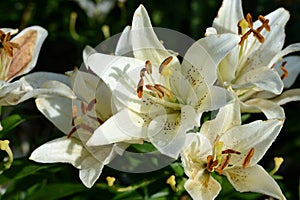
[161, 93]
[220, 158]
[87, 120]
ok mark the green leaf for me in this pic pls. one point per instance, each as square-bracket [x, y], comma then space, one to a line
[20, 169]
[10, 123]
[57, 191]
[177, 168]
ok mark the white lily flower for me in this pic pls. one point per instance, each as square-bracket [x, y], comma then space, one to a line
[225, 147]
[155, 98]
[256, 69]
[77, 119]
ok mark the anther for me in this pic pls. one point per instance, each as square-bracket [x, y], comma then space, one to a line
[211, 163]
[142, 72]
[224, 164]
[140, 88]
[83, 107]
[247, 158]
[91, 105]
[163, 70]
[229, 151]
[285, 71]
[163, 89]
[148, 67]
[153, 89]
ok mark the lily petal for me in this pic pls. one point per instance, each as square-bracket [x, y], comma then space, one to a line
[271, 109]
[65, 150]
[203, 188]
[262, 77]
[124, 126]
[87, 51]
[90, 172]
[253, 179]
[124, 45]
[230, 13]
[287, 96]
[145, 43]
[258, 135]
[58, 110]
[206, 54]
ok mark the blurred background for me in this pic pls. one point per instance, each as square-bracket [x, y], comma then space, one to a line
[71, 25]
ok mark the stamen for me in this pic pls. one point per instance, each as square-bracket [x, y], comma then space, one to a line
[140, 88]
[163, 70]
[158, 92]
[248, 23]
[229, 151]
[84, 107]
[148, 67]
[96, 118]
[7, 45]
[247, 158]
[211, 163]
[142, 72]
[74, 111]
[163, 89]
[91, 105]
[285, 71]
[224, 164]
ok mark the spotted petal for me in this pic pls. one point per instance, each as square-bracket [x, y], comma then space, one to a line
[253, 179]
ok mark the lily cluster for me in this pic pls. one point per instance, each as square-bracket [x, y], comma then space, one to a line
[144, 92]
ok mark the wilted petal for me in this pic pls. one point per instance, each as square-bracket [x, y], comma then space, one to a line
[124, 126]
[228, 17]
[253, 179]
[25, 58]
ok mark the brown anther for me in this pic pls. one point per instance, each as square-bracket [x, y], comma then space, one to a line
[96, 119]
[265, 23]
[84, 107]
[247, 158]
[229, 151]
[140, 88]
[258, 36]
[249, 20]
[153, 89]
[224, 164]
[285, 71]
[164, 63]
[91, 105]
[256, 32]
[142, 72]
[74, 111]
[148, 66]
[7, 44]
[163, 89]
[82, 126]
[211, 163]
